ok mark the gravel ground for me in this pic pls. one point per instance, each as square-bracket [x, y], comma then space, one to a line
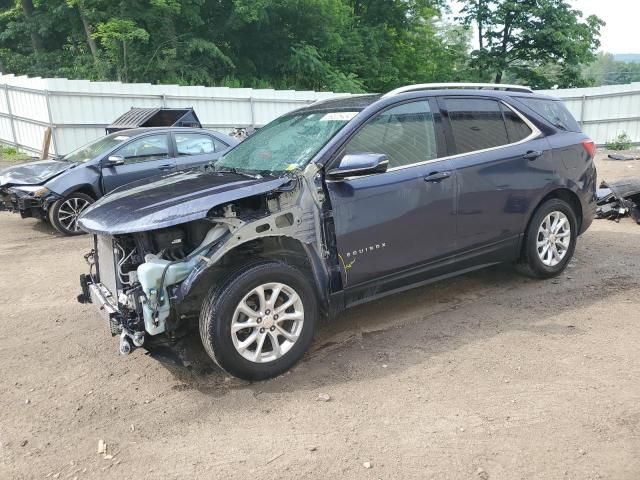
[489, 375]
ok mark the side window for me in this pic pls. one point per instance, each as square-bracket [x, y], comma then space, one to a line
[516, 128]
[406, 134]
[195, 144]
[151, 147]
[476, 124]
[220, 146]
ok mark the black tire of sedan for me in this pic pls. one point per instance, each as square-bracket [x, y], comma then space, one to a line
[63, 214]
[260, 321]
[550, 240]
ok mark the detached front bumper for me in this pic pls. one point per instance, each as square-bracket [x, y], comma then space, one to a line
[21, 202]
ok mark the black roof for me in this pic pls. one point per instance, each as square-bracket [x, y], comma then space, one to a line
[355, 102]
[155, 117]
[360, 102]
[134, 117]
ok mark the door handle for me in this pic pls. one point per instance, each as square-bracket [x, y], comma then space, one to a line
[437, 177]
[532, 155]
[166, 167]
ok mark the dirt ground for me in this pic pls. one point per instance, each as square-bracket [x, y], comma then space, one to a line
[486, 376]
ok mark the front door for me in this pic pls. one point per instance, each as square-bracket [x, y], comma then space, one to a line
[143, 157]
[393, 227]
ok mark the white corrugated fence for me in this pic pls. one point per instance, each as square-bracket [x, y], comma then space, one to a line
[78, 110]
[604, 112]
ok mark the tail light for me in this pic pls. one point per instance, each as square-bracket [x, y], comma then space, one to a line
[590, 146]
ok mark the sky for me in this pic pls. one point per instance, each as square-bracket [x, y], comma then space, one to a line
[620, 34]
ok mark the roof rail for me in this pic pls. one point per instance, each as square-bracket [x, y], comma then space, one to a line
[438, 86]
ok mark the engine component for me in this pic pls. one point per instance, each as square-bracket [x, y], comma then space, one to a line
[156, 274]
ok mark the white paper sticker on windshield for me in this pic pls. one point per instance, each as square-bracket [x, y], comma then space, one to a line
[121, 137]
[338, 116]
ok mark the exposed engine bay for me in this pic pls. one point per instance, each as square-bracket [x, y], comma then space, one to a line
[146, 282]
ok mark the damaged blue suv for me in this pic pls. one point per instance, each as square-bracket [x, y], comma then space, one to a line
[339, 203]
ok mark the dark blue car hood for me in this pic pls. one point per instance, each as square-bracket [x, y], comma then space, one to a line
[170, 200]
[33, 173]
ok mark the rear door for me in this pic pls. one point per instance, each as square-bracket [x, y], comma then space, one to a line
[143, 157]
[195, 148]
[389, 225]
[502, 163]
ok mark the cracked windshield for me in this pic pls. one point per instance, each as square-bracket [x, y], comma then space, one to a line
[286, 144]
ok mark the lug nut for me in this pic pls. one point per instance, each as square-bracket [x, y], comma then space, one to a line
[268, 312]
[259, 320]
[262, 330]
[275, 317]
[272, 328]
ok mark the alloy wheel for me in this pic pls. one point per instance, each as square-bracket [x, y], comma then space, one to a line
[69, 212]
[554, 238]
[267, 322]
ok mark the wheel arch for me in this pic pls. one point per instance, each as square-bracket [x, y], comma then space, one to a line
[86, 189]
[561, 193]
[284, 249]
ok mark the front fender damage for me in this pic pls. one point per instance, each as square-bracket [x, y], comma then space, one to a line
[293, 212]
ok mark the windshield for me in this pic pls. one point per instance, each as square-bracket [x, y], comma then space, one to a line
[95, 148]
[288, 143]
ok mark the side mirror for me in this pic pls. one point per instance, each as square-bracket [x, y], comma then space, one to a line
[355, 164]
[113, 161]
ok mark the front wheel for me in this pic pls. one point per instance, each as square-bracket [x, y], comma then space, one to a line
[550, 240]
[260, 321]
[63, 214]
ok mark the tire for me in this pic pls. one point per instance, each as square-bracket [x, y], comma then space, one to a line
[221, 309]
[539, 260]
[63, 214]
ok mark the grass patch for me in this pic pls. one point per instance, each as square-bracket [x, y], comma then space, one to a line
[621, 142]
[10, 154]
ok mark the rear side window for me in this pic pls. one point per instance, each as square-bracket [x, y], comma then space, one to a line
[476, 124]
[552, 111]
[516, 128]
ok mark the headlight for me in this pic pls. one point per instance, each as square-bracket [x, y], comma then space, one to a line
[35, 190]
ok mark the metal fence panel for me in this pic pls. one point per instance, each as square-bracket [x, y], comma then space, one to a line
[604, 112]
[78, 110]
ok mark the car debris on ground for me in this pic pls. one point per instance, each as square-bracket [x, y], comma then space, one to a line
[619, 199]
[623, 157]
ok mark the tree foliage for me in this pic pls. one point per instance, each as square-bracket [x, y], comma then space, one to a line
[606, 70]
[538, 42]
[340, 45]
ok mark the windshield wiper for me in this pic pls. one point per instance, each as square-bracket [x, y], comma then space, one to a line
[237, 172]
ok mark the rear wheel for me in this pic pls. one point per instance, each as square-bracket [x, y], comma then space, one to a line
[550, 240]
[260, 322]
[63, 214]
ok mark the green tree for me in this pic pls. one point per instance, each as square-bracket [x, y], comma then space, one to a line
[539, 42]
[115, 34]
[606, 70]
[340, 45]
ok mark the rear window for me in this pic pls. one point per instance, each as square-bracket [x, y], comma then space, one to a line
[552, 111]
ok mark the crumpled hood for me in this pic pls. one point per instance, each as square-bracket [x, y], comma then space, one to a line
[33, 173]
[173, 199]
